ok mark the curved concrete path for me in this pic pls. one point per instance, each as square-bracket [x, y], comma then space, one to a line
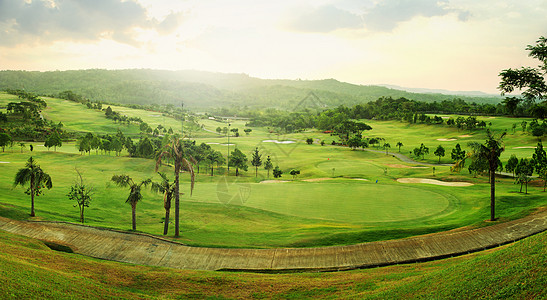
[149, 250]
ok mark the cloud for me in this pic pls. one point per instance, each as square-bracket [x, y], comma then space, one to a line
[380, 16]
[41, 21]
[387, 15]
[324, 19]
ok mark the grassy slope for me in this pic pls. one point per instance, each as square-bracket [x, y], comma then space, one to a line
[288, 214]
[28, 269]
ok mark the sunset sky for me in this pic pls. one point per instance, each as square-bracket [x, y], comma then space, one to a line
[456, 45]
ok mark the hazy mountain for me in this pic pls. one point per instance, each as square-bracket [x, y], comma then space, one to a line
[198, 89]
[439, 91]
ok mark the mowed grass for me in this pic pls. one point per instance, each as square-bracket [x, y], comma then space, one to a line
[29, 269]
[361, 200]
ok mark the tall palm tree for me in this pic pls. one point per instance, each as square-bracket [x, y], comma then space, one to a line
[490, 151]
[182, 160]
[168, 190]
[38, 179]
[134, 193]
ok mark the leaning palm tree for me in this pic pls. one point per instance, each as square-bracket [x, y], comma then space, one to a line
[182, 161]
[38, 179]
[490, 152]
[134, 192]
[168, 190]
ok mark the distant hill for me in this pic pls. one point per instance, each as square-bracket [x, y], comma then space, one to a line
[198, 89]
[439, 91]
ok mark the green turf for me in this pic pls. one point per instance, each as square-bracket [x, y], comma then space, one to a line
[241, 212]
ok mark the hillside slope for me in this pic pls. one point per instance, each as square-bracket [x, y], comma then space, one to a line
[203, 89]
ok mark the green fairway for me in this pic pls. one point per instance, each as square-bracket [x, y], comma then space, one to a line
[340, 197]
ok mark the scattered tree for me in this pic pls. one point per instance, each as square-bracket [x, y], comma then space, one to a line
[268, 165]
[439, 152]
[256, 161]
[81, 193]
[511, 164]
[277, 172]
[294, 173]
[182, 160]
[238, 160]
[5, 140]
[490, 151]
[524, 170]
[36, 177]
[399, 145]
[134, 193]
[168, 190]
[309, 141]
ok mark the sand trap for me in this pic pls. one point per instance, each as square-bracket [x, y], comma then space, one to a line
[524, 147]
[465, 136]
[278, 142]
[274, 181]
[361, 179]
[227, 144]
[4, 162]
[446, 140]
[212, 143]
[403, 166]
[432, 181]
[317, 179]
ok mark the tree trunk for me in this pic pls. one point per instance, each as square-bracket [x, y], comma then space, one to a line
[492, 195]
[256, 172]
[82, 214]
[237, 171]
[32, 196]
[177, 197]
[166, 223]
[212, 166]
[134, 216]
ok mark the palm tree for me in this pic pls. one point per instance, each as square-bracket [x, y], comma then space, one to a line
[399, 144]
[490, 151]
[22, 146]
[38, 179]
[168, 190]
[182, 160]
[134, 192]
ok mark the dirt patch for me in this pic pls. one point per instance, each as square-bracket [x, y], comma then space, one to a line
[446, 140]
[524, 147]
[432, 181]
[465, 136]
[399, 166]
[273, 181]
[317, 179]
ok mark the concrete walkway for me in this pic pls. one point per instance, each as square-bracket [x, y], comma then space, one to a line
[154, 251]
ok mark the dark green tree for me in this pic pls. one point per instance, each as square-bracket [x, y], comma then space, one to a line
[256, 160]
[490, 151]
[134, 193]
[215, 157]
[182, 159]
[268, 165]
[524, 171]
[238, 160]
[277, 172]
[532, 80]
[512, 164]
[167, 188]
[5, 140]
[399, 145]
[439, 152]
[36, 177]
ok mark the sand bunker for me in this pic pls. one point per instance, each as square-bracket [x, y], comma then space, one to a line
[227, 144]
[317, 179]
[524, 147]
[361, 179]
[403, 166]
[278, 142]
[432, 181]
[465, 136]
[4, 162]
[273, 181]
[212, 143]
[446, 140]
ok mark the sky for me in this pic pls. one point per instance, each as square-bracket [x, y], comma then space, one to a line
[458, 45]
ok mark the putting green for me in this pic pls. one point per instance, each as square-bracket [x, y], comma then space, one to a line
[350, 202]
